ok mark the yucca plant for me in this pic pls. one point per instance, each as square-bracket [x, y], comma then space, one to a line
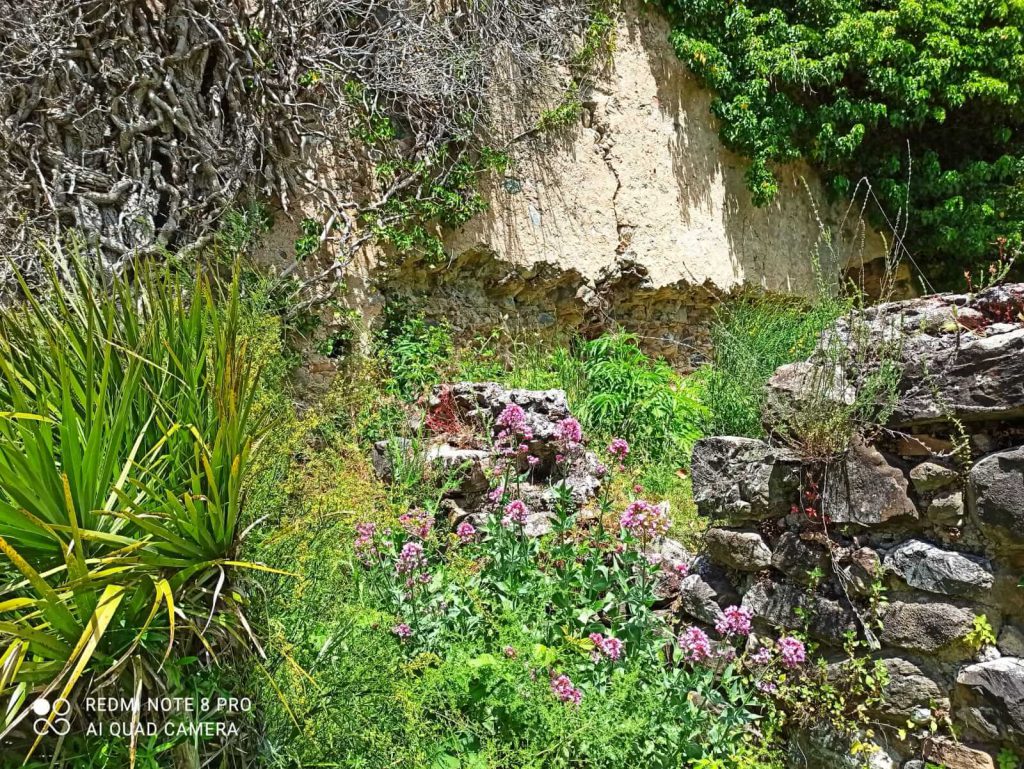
[126, 425]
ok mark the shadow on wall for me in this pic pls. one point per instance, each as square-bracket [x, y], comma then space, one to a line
[640, 193]
[637, 215]
[717, 223]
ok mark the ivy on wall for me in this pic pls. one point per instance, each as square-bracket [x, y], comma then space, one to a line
[921, 97]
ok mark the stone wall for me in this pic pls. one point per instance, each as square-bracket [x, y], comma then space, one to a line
[806, 545]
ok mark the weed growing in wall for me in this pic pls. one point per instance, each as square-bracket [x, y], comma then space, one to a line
[752, 336]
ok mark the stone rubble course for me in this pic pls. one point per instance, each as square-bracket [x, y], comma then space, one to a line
[909, 546]
[743, 479]
[940, 571]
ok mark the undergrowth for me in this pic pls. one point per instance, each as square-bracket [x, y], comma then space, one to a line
[340, 688]
[751, 337]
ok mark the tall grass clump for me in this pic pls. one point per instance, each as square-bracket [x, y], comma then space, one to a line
[614, 388]
[752, 336]
[126, 430]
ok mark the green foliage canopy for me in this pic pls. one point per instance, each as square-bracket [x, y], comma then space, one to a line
[922, 97]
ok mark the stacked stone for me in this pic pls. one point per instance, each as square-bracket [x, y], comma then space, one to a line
[466, 456]
[807, 545]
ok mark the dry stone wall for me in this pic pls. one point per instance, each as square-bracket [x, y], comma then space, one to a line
[931, 511]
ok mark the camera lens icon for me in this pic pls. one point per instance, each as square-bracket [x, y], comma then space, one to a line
[52, 717]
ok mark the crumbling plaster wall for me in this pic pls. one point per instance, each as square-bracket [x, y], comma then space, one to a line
[637, 215]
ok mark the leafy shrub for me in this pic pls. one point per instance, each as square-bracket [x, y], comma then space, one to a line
[414, 352]
[923, 99]
[440, 191]
[126, 426]
[626, 393]
[753, 336]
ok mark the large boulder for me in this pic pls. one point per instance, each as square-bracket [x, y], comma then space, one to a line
[865, 490]
[935, 570]
[785, 606]
[907, 695]
[481, 403]
[950, 754]
[925, 627]
[740, 550]
[960, 355]
[990, 698]
[743, 479]
[996, 497]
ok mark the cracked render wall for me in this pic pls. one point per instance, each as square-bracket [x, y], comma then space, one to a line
[637, 215]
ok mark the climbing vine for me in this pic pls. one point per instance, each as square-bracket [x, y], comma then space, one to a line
[920, 98]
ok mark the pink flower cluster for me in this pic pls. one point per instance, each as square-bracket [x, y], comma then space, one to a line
[562, 688]
[762, 656]
[645, 519]
[418, 523]
[413, 563]
[515, 513]
[402, 630]
[513, 421]
[792, 651]
[465, 531]
[495, 494]
[695, 645]
[619, 449]
[365, 547]
[735, 621]
[606, 646]
[570, 431]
